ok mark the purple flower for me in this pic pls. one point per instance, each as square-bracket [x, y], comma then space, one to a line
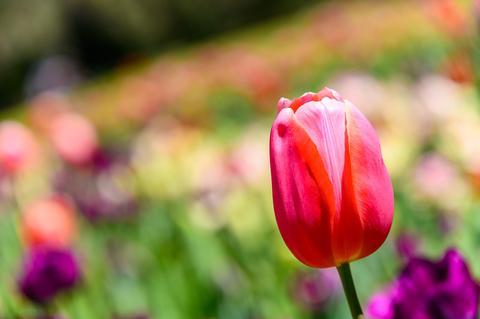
[47, 272]
[100, 192]
[406, 245]
[427, 289]
[314, 290]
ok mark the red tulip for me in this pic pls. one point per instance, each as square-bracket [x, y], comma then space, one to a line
[332, 194]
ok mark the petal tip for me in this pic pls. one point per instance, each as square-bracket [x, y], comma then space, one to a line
[331, 93]
[283, 103]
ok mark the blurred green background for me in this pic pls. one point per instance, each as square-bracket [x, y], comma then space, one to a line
[183, 94]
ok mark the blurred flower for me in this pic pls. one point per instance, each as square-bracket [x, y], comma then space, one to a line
[461, 133]
[447, 15]
[380, 306]
[316, 289]
[48, 272]
[164, 157]
[103, 192]
[438, 95]
[428, 289]
[212, 183]
[46, 106]
[438, 181]
[406, 245]
[332, 194]
[476, 9]
[435, 176]
[49, 222]
[248, 160]
[354, 87]
[18, 149]
[74, 138]
[436, 98]
[459, 67]
[447, 222]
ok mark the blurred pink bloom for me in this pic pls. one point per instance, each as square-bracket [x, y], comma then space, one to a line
[438, 97]
[353, 87]
[18, 148]
[254, 75]
[49, 222]
[380, 306]
[249, 159]
[448, 15]
[435, 176]
[314, 290]
[476, 8]
[406, 245]
[74, 138]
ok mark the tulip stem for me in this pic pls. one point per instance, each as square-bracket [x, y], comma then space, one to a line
[349, 288]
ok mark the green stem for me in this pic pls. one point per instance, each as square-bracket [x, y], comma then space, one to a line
[349, 288]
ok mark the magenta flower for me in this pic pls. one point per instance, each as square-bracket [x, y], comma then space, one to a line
[427, 289]
[48, 272]
[406, 245]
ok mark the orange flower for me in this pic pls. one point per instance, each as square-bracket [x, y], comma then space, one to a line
[49, 222]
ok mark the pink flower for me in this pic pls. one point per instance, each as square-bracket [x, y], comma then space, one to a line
[74, 138]
[18, 148]
[332, 195]
[49, 222]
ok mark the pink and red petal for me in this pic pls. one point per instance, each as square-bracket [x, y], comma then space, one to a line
[309, 97]
[302, 206]
[324, 123]
[371, 189]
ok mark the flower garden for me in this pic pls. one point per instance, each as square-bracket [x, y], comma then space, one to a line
[147, 192]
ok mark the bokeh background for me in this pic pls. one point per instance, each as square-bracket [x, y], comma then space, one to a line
[146, 123]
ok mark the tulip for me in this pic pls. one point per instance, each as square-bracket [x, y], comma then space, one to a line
[48, 272]
[49, 222]
[74, 138]
[332, 195]
[18, 148]
[427, 288]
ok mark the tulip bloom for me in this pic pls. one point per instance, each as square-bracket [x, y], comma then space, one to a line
[332, 194]
[18, 148]
[74, 138]
[49, 222]
[427, 288]
[48, 272]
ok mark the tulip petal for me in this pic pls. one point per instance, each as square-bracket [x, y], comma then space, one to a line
[325, 124]
[309, 97]
[302, 194]
[371, 186]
